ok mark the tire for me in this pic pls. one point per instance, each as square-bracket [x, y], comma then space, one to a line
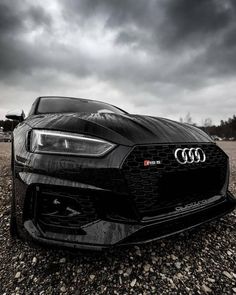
[13, 223]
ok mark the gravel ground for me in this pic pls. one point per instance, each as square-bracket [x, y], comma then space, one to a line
[196, 262]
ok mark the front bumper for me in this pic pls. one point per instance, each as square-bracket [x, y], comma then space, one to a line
[133, 203]
[101, 234]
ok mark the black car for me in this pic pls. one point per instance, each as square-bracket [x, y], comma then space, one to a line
[89, 175]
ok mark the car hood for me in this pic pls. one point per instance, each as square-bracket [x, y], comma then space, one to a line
[124, 129]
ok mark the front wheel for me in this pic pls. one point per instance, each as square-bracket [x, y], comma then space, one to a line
[13, 226]
[13, 223]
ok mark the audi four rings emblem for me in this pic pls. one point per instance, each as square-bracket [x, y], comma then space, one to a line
[190, 155]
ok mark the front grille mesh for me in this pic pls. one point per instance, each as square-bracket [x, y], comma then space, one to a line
[170, 183]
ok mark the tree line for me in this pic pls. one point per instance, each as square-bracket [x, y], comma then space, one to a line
[8, 125]
[226, 129]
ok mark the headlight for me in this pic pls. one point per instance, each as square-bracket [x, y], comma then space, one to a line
[55, 142]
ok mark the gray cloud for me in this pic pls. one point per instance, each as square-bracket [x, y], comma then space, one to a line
[172, 23]
[203, 29]
[192, 22]
[17, 18]
[162, 57]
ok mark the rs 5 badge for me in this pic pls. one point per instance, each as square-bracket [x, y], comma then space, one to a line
[151, 163]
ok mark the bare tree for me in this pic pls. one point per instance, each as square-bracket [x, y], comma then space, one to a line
[188, 119]
[207, 122]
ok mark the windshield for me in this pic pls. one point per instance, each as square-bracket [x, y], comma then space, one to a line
[74, 105]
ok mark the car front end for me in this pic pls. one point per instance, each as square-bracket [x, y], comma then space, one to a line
[120, 187]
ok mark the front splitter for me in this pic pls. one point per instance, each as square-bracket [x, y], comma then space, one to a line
[104, 234]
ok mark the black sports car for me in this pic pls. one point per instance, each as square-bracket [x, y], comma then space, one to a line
[87, 174]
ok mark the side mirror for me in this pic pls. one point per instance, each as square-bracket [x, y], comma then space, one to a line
[16, 115]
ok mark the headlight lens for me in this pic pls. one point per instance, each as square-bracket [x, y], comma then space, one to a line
[55, 142]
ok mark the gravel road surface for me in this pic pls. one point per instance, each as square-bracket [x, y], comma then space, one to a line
[201, 261]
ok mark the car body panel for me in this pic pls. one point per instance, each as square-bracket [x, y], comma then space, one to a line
[105, 234]
[124, 129]
[111, 189]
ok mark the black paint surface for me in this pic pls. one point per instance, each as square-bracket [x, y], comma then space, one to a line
[118, 197]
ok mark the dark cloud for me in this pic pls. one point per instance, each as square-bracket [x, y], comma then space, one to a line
[157, 49]
[18, 18]
[39, 17]
[10, 21]
[196, 20]
[164, 21]
[161, 27]
[203, 29]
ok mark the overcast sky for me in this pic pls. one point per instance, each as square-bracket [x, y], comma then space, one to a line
[157, 57]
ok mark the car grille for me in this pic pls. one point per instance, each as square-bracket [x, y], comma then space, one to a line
[170, 184]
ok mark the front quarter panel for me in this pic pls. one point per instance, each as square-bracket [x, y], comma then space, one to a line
[30, 169]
